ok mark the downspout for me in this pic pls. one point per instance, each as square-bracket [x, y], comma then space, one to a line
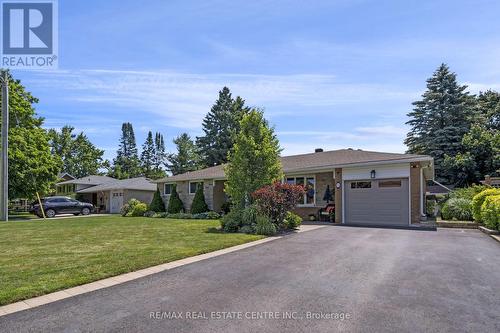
[422, 195]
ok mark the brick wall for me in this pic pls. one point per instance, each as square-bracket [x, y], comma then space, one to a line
[338, 196]
[415, 194]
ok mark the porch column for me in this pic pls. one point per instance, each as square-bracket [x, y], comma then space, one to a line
[338, 195]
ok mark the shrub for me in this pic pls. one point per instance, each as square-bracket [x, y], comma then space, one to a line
[232, 221]
[478, 200]
[246, 229]
[292, 220]
[249, 216]
[457, 209]
[157, 204]
[199, 205]
[264, 226]
[275, 200]
[490, 212]
[226, 207]
[206, 216]
[149, 213]
[467, 192]
[175, 203]
[134, 208]
[430, 207]
[125, 209]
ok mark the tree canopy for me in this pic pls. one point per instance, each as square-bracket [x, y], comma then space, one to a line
[32, 167]
[79, 156]
[186, 159]
[254, 159]
[126, 164]
[461, 131]
[219, 127]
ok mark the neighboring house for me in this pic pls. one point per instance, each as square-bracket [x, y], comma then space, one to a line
[438, 189]
[370, 187]
[112, 195]
[72, 186]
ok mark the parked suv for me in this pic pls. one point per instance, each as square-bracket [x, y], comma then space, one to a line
[61, 205]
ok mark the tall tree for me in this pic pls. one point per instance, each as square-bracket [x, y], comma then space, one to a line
[254, 159]
[32, 166]
[440, 120]
[186, 159]
[160, 156]
[148, 156]
[126, 164]
[219, 127]
[79, 156]
[481, 155]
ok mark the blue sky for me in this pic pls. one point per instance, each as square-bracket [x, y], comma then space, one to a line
[330, 74]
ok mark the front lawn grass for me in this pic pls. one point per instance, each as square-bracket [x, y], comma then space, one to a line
[43, 256]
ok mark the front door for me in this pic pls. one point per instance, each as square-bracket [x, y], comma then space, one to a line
[116, 202]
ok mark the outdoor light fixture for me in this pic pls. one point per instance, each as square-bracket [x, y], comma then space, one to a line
[372, 173]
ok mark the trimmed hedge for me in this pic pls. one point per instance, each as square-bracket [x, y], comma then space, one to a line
[175, 204]
[479, 199]
[199, 205]
[490, 212]
[157, 204]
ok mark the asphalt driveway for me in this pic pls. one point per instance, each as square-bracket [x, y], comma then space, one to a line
[333, 278]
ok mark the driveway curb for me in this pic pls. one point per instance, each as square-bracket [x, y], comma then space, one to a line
[115, 280]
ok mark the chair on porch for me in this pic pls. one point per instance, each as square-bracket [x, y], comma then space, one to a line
[325, 213]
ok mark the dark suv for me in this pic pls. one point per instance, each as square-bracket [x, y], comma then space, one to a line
[61, 205]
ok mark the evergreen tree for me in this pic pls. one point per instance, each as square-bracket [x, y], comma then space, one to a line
[219, 127]
[79, 156]
[199, 204]
[148, 156]
[440, 120]
[32, 166]
[126, 164]
[159, 159]
[175, 204]
[157, 204]
[254, 160]
[186, 158]
[481, 144]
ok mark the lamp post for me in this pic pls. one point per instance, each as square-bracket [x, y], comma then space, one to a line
[4, 158]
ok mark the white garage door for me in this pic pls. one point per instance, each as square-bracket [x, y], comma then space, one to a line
[116, 202]
[381, 202]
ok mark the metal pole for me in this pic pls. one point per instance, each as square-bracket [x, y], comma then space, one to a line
[4, 164]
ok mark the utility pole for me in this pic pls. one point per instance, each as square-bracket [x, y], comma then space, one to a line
[4, 158]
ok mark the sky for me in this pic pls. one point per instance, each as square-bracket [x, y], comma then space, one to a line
[328, 74]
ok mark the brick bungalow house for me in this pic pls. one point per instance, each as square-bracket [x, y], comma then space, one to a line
[369, 187]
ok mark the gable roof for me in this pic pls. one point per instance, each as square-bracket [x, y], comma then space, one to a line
[88, 180]
[140, 184]
[311, 162]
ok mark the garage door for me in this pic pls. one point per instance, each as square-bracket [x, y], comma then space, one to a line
[382, 202]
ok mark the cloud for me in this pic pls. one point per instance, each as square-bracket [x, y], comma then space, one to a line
[182, 99]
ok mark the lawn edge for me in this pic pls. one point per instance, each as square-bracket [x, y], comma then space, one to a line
[122, 278]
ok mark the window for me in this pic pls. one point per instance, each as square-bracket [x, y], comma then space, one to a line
[309, 185]
[193, 186]
[361, 185]
[168, 189]
[389, 183]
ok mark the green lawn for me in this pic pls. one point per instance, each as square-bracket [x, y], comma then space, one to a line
[42, 256]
